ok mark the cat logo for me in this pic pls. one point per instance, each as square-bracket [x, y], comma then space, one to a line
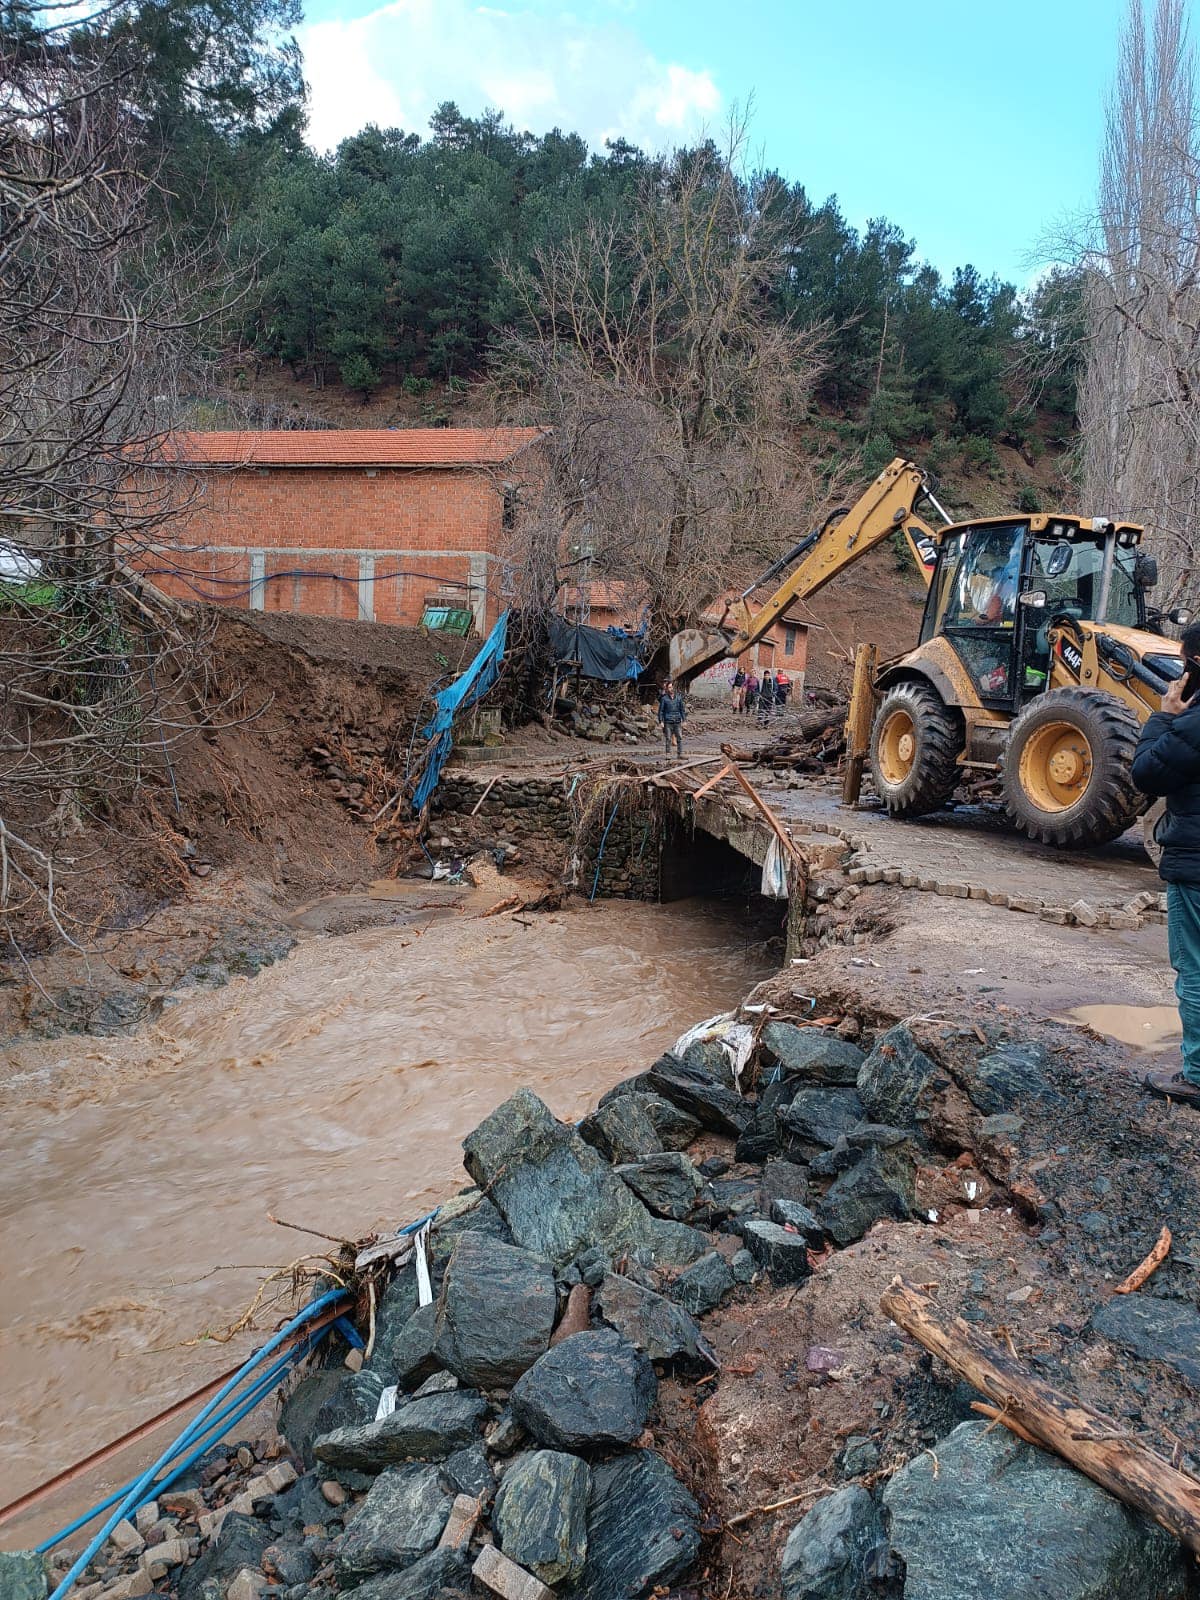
[1071, 655]
[926, 547]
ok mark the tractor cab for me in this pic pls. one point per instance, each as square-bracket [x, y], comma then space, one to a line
[1002, 583]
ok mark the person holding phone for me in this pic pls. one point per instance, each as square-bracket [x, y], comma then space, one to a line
[1167, 764]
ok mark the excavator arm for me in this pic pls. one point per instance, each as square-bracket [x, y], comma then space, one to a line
[886, 507]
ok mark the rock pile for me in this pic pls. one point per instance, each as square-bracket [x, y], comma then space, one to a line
[571, 1281]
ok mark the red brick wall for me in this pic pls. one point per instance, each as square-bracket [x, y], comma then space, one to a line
[421, 527]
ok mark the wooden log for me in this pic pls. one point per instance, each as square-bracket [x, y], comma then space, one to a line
[1097, 1445]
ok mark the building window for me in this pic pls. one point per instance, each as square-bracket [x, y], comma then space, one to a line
[789, 639]
[508, 515]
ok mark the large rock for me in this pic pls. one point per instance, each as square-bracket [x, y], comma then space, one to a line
[401, 1518]
[702, 1286]
[22, 1575]
[541, 1515]
[440, 1573]
[414, 1354]
[689, 1086]
[783, 1252]
[643, 1529]
[557, 1194]
[995, 1519]
[832, 1552]
[759, 1140]
[648, 1320]
[666, 1183]
[495, 1313]
[897, 1079]
[817, 1118]
[622, 1129]
[676, 1128]
[300, 1419]
[1008, 1075]
[882, 1183]
[1155, 1330]
[813, 1054]
[791, 1214]
[468, 1471]
[591, 1390]
[429, 1429]
[469, 1212]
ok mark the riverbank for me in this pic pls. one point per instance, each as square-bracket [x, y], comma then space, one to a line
[735, 1415]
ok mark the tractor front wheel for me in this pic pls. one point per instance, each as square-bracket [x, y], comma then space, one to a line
[915, 743]
[1067, 769]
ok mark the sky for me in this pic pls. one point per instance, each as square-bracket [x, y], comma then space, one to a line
[975, 127]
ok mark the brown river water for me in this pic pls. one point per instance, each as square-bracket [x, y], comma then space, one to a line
[137, 1174]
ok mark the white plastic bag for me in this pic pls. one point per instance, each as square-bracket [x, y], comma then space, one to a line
[774, 872]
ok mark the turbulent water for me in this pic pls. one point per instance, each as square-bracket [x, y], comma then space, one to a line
[138, 1176]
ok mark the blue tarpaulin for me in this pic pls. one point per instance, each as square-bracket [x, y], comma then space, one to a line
[466, 689]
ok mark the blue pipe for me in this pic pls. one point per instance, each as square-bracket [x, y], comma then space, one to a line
[190, 1433]
[220, 1425]
[600, 856]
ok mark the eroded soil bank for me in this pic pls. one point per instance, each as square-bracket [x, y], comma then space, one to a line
[333, 1089]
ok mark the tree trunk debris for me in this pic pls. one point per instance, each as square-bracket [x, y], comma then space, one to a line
[1095, 1444]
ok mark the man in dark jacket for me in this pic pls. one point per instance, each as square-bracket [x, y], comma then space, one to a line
[1167, 763]
[671, 713]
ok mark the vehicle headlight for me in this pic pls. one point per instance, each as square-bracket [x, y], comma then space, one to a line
[1169, 667]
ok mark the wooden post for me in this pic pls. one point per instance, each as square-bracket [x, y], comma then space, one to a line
[1097, 1445]
[858, 722]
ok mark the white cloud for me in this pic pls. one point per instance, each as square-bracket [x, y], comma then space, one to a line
[541, 68]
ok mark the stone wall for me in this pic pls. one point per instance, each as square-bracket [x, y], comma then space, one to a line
[534, 818]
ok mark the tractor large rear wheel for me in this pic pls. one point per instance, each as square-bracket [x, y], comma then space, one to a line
[1067, 768]
[915, 744]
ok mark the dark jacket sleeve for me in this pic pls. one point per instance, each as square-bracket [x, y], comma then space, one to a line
[1168, 753]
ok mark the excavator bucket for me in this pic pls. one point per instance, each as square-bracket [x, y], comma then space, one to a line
[693, 650]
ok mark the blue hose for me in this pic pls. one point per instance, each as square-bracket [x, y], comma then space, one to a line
[220, 1424]
[190, 1434]
[600, 856]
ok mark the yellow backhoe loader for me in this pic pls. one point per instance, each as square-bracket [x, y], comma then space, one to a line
[1038, 658]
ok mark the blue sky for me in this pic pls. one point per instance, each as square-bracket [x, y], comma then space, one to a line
[975, 127]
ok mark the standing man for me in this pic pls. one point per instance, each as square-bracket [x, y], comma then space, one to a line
[1167, 763]
[739, 691]
[671, 714]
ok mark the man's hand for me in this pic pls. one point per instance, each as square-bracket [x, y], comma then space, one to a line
[1173, 702]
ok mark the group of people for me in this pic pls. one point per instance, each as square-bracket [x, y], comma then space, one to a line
[752, 694]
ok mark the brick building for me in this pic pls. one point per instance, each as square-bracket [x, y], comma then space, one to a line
[374, 524]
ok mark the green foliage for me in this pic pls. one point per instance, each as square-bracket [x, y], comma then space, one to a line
[979, 452]
[1028, 499]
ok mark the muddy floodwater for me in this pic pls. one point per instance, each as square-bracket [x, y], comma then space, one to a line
[138, 1175]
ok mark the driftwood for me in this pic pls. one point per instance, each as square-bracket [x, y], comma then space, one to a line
[1095, 1444]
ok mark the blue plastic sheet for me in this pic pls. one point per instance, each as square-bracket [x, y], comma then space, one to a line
[460, 695]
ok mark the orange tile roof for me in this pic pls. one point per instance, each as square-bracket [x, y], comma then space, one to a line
[354, 447]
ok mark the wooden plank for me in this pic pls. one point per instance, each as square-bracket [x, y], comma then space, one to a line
[713, 782]
[772, 820]
[1098, 1445]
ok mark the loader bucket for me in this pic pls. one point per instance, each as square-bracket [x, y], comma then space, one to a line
[693, 650]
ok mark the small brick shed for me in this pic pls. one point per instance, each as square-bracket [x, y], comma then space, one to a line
[368, 523]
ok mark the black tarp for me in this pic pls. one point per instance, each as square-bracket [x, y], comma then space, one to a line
[608, 657]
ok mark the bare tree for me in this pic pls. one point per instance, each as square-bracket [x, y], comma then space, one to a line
[1139, 398]
[646, 343]
[102, 333]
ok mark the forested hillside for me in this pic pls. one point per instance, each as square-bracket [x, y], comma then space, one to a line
[390, 260]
